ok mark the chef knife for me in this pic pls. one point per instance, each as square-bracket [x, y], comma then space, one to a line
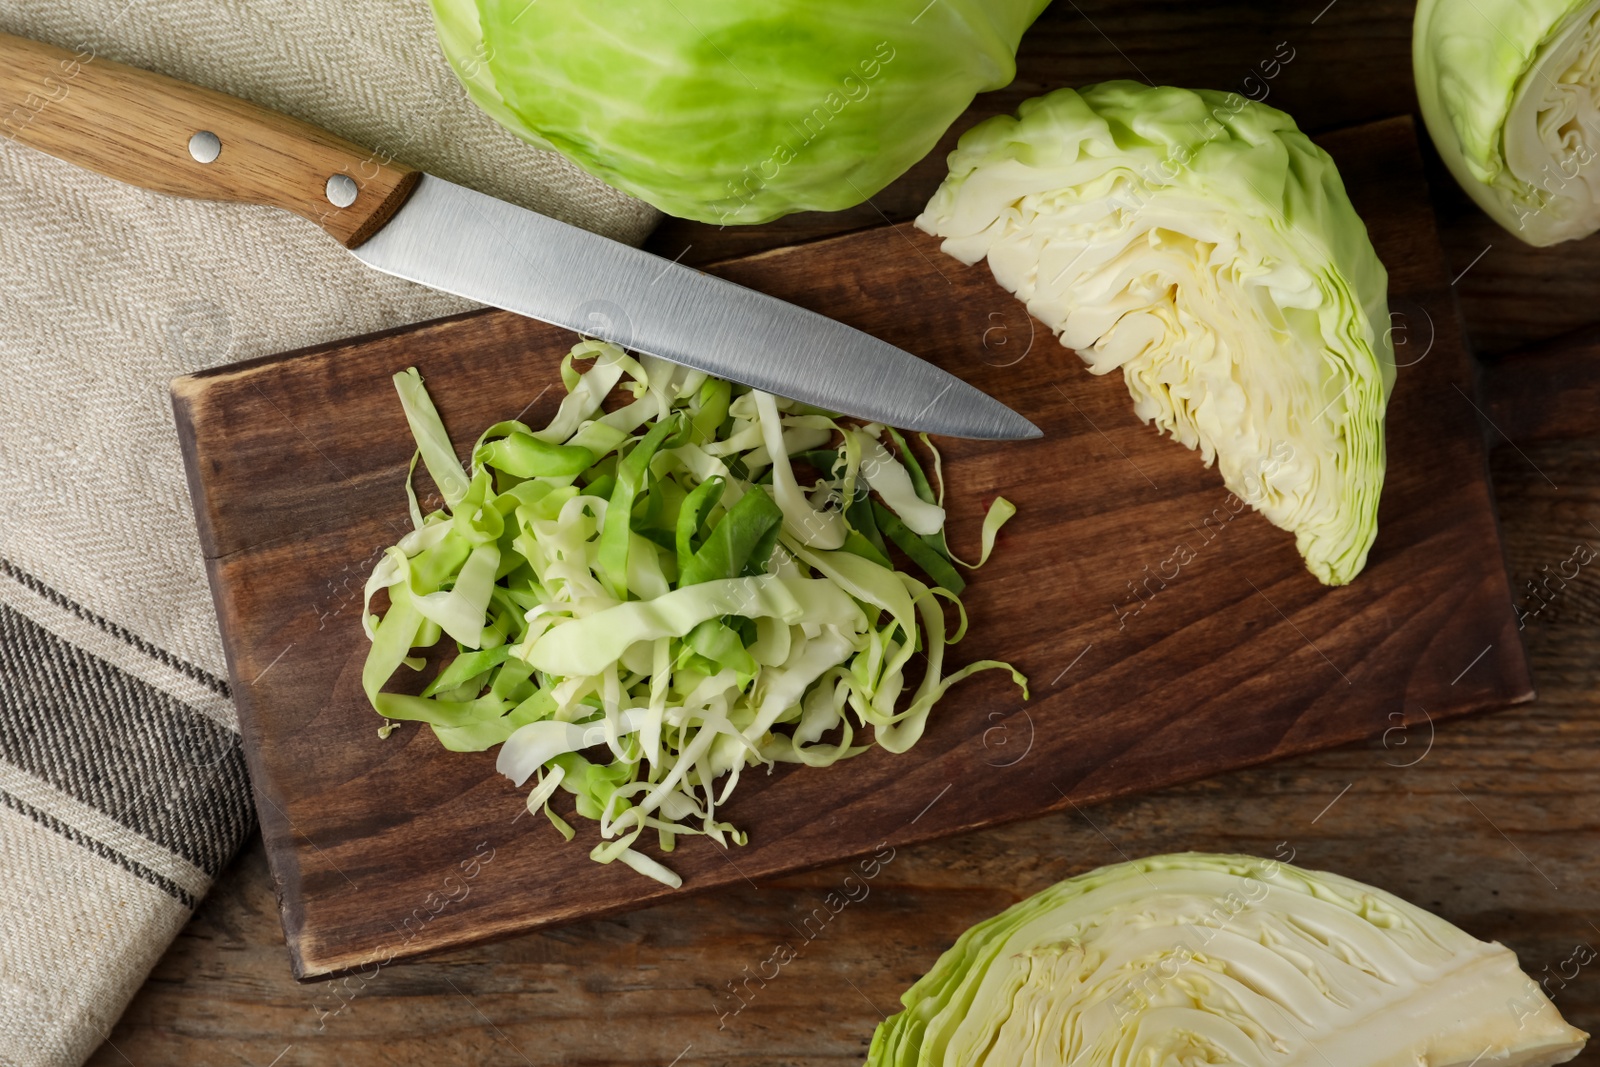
[171, 137]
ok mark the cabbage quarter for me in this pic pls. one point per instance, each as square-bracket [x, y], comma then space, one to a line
[1202, 244]
[1189, 959]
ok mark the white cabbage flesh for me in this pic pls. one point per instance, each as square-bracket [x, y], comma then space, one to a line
[1181, 960]
[1510, 91]
[1200, 243]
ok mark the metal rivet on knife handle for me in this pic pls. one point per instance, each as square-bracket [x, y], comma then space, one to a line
[205, 146]
[341, 190]
[131, 124]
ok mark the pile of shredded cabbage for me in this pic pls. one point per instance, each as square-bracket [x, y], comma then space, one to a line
[643, 602]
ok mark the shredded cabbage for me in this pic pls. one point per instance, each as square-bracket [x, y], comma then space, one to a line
[636, 605]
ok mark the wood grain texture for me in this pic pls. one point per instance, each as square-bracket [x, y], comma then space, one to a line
[134, 125]
[1492, 821]
[296, 467]
[1548, 391]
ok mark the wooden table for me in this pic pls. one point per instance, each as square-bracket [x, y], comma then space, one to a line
[1495, 824]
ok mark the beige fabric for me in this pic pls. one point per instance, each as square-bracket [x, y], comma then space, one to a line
[106, 294]
[93, 639]
[91, 933]
[36, 794]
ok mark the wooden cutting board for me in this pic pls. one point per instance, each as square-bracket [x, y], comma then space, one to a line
[387, 849]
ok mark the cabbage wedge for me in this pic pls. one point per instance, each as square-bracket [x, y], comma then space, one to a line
[1181, 960]
[1510, 92]
[1201, 244]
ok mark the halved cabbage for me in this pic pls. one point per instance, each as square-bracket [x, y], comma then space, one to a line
[1510, 90]
[1201, 243]
[734, 112]
[1192, 959]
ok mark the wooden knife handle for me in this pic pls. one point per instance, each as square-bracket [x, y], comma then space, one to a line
[150, 130]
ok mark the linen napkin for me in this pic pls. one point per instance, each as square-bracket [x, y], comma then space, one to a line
[122, 787]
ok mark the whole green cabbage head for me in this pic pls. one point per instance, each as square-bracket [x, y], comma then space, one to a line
[1190, 959]
[1510, 91]
[1201, 244]
[734, 112]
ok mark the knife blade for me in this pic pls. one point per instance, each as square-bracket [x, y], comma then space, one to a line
[162, 134]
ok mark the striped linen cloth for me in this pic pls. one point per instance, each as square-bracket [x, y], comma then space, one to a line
[123, 790]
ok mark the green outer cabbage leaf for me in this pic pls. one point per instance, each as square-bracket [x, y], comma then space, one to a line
[1202, 244]
[1196, 958]
[734, 112]
[1510, 92]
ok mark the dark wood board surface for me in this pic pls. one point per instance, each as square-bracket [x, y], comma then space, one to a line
[1492, 821]
[296, 465]
[1549, 391]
